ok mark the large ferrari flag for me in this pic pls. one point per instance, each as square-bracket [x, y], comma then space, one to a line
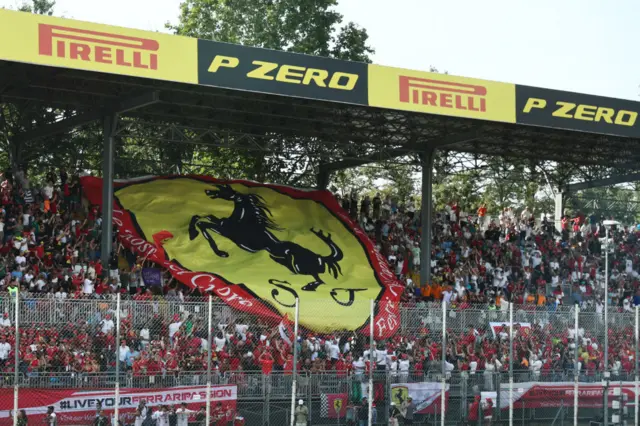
[259, 247]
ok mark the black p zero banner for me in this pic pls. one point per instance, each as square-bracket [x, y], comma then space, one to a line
[281, 73]
[575, 111]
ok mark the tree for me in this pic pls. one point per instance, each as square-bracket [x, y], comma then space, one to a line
[302, 26]
[39, 7]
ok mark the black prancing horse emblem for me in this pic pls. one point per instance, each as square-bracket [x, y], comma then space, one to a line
[250, 226]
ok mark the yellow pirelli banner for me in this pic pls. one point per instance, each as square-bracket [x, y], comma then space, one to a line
[57, 42]
[442, 94]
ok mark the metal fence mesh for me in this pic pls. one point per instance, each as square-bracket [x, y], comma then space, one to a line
[69, 348]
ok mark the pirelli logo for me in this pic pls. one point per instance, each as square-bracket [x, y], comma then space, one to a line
[443, 94]
[98, 47]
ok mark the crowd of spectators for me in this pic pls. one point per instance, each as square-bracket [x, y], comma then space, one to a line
[50, 248]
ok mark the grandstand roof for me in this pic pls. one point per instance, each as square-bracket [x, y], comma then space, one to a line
[199, 91]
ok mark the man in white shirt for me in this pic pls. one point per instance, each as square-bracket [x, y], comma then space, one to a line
[183, 414]
[123, 351]
[403, 366]
[446, 295]
[381, 359]
[87, 286]
[51, 417]
[161, 416]
[5, 321]
[535, 366]
[333, 349]
[174, 326]
[5, 348]
[141, 413]
[536, 258]
[107, 324]
[358, 366]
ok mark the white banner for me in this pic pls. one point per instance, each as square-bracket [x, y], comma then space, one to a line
[425, 395]
[497, 327]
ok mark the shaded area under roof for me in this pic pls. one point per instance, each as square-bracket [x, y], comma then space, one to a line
[359, 130]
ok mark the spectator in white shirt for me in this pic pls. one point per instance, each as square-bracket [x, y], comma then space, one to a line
[174, 326]
[145, 336]
[381, 359]
[107, 324]
[535, 366]
[5, 348]
[5, 321]
[161, 416]
[183, 414]
[87, 286]
[359, 366]
[219, 341]
[123, 351]
[333, 348]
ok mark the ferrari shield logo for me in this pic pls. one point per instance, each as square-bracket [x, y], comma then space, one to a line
[337, 405]
[400, 394]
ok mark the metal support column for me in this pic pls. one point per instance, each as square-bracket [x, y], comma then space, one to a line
[323, 177]
[110, 123]
[425, 216]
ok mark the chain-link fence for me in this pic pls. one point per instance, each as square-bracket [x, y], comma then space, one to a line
[89, 361]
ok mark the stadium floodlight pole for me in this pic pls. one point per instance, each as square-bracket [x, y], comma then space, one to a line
[117, 402]
[209, 355]
[635, 359]
[444, 362]
[294, 375]
[576, 372]
[510, 365]
[371, 361]
[607, 225]
[16, 350]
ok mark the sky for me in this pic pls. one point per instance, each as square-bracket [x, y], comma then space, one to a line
[575, 45]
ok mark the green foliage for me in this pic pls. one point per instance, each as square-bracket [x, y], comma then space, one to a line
[40, 7]
[621, 203]
[302, 26]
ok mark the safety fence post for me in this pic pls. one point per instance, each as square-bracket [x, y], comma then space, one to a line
[635, 359]
[576, 365]
[209, 356]
[116, 412]
[294, 373]
[372, 354]
[444, 363]
[16, 367]
[510, 366]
